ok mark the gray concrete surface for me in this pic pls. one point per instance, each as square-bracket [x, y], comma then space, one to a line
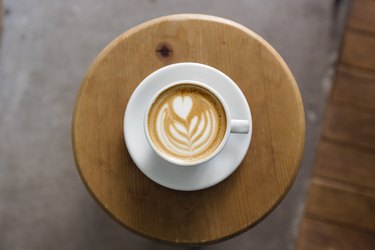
[45, 50]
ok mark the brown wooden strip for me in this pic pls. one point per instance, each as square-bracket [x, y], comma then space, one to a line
[318, 235]
[351, 125]
[362, 15]
[339, 213]
[345, 164]
[342, 204]
[355, 88]
[359, 50]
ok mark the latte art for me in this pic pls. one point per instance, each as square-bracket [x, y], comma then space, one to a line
[187, 122]
[185, 136]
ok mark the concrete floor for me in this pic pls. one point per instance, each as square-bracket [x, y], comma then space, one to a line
[45, 50]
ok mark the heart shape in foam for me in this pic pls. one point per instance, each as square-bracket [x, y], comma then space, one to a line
[182, 106]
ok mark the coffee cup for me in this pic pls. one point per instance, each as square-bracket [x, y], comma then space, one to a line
[188, 123]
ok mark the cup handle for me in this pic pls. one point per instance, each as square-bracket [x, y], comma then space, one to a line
[240, 126]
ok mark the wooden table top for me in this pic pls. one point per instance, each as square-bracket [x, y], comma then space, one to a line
[216, 213]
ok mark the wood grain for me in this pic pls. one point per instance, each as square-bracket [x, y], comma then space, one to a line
[345, 204]
[199, 217]
[358, 50]
[345, 163]
[351, 125]
[320, 235]
[355, 88]
[362, 15]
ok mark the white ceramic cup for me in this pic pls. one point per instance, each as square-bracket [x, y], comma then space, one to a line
[233, 125]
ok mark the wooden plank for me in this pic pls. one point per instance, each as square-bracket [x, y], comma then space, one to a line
[346, 164]
[359, 50]
[343, 204]
[339, 213]
[355, 88]
[350, 125]
[318, 235]
[362, 15]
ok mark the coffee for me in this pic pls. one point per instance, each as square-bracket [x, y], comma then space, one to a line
[187, 122]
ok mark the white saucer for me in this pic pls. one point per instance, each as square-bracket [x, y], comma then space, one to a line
[185, 178]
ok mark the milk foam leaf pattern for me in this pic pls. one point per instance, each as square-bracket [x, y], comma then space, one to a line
[184, 133]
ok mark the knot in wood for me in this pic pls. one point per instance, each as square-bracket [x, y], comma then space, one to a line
[164, 50]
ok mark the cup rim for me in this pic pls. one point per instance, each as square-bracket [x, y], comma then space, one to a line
[176, 161]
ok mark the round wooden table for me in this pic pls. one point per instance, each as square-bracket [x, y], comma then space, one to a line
[228, 208]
